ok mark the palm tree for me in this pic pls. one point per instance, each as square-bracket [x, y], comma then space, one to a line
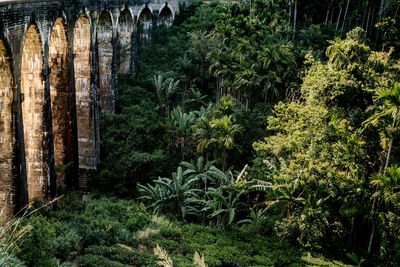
[202, 133]
[179, 125]
[223, 133]
[389, 109]
[178, 190]
[184, 64]
[198, 97]
[224, 197]
[165, 88]
[287, 192]
[388, 184]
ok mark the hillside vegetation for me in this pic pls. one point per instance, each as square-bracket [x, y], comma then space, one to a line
[259, 133]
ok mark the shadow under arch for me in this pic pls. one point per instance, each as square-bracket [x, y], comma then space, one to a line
[125, 38]
[60, 100]
[165, 17]
[145, 25]
[104, 35]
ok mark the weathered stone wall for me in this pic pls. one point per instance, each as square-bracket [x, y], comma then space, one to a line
[59, 61]
[84, 95]
[6, 130]
[32, 90]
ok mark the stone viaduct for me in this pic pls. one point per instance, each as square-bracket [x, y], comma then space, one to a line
[59, 65]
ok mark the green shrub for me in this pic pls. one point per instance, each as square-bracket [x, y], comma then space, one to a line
[236, 247]
[132, 143]
[39, 246]
[108, 221]
[116, 253]
[90, 260]
[123, 254]
[102, 222]
[68, 241]
[71, 202]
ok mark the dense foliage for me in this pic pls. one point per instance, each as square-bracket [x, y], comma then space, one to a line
[266, 133]
[115, 232]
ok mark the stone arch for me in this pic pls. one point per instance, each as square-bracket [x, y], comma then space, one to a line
[145, 24]
[166, 16]
[60, 99]
[32, 90]
[6, 130]
[83, 93]
[125, 33]
[104, 33]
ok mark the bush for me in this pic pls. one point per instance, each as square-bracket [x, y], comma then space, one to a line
[39, 245]
[68, 241]
[131, 142]
[109, 221]
[90, 260]
[71, 202]
[236, 247]
[124, 254]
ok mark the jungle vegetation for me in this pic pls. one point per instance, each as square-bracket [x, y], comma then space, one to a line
[254, 133]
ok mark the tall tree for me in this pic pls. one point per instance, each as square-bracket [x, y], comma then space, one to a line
[388, 110]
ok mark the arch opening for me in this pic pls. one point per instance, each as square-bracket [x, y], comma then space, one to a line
[32, 88]
[165, 18]
[60, 100]
[145, 24]
[83, 94]
[105, 57]
[125, 33]
[6, 130]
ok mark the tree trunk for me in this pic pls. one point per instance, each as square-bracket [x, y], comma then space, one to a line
[388, 156]
[327, 13]
[265, 97]
[290, 11]
[217, 93]
[367, 26]
[295, 19]
[184, 97]
[372, 20]
[345, 15]
[373, 204]
[183, 148]
[381, 10]
[224, 158]
[371, 238]
[250, 6]
[380, 14]
[363, 21]
[338, 19]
